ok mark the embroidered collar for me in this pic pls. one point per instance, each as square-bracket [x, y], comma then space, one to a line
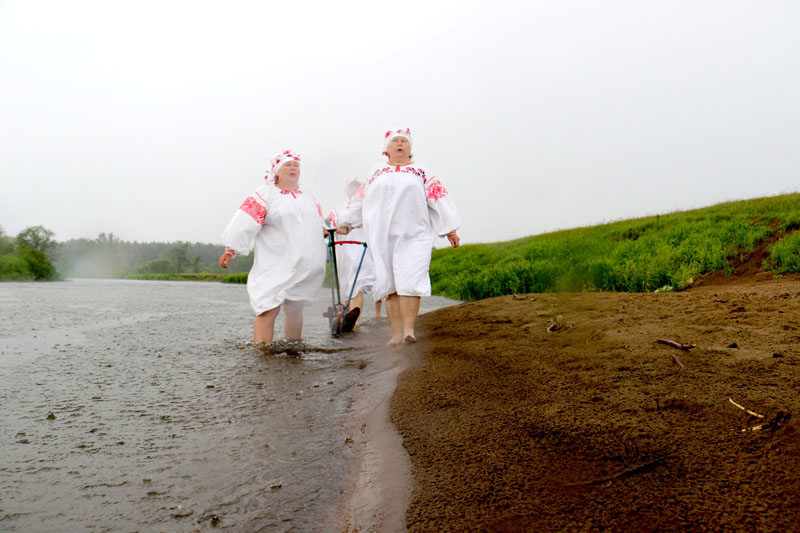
[294, 193]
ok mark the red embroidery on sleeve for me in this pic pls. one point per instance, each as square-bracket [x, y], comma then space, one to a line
[435, 190]
[254, 209]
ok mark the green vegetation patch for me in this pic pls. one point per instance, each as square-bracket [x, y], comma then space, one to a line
[200, 276]
[664, 252]
[25, 258]
[784, 255]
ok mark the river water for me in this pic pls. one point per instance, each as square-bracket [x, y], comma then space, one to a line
[142, 406]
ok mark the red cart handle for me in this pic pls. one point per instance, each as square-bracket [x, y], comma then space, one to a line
[349, 242]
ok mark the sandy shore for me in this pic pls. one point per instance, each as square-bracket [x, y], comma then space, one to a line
[510, 427]
[379, 491]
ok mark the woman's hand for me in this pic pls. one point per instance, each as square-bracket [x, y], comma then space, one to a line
[454, 240]
[224, 258]
[344, 228]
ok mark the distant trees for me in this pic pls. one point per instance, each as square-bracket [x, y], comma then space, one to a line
[26, 257]
[6, 243]
[107, 256]
[34, 254]
[37, 238]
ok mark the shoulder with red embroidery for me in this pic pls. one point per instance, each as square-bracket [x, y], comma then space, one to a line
[379, 170]
[434, 190]
[256, 205]
[256, 210]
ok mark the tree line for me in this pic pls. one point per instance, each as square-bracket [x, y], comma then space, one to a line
[35, 255]
[25, 257]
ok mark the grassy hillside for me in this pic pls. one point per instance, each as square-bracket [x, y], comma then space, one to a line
[664, 251]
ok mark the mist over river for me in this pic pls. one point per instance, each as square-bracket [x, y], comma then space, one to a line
[142, 406]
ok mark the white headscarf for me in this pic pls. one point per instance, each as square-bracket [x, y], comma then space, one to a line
[278, 161]
[349, 183]
[391, 134]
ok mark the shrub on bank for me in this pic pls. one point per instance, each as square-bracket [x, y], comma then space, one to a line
[240, 277]
[14, 268]
[27, 264]
[784, 255]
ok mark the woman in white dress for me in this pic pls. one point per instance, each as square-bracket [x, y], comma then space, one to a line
[283, 223]
[403, 206]
[348, 256]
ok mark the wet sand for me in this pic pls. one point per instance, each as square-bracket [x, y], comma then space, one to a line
[380, 485]
[510, 427]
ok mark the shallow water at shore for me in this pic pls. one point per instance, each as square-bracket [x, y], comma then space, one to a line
[132, 405]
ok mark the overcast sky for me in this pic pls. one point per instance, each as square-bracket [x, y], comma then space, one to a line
[153, 120]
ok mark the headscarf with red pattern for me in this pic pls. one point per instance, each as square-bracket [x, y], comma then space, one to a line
[278, 161]
[391, 134]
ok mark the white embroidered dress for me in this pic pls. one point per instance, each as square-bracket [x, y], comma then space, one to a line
[402, 209]
[348, 257]
[285, 229]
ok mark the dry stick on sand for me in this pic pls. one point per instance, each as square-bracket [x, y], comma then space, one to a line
[748, 411]
[676, 344]
[675, 358]
[640, 469]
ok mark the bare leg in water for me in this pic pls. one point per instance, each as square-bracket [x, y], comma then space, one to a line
[293, 320]
[264, 329]
[402, 312]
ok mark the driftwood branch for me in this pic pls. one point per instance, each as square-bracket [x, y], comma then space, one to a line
[678, 361]
[748, 411]
[640, 469]
[676, 344]
[773, 424]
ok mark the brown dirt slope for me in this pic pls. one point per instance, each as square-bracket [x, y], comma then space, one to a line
[512, 428]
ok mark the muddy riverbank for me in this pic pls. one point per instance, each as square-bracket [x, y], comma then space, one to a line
[597, 425]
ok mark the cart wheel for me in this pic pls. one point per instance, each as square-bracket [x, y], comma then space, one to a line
[350, 319]
[334, 322]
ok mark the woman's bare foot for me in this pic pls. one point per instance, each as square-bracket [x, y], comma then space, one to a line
[410, 339]
[395, 340]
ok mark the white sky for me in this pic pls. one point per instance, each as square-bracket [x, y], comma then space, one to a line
[153, 120]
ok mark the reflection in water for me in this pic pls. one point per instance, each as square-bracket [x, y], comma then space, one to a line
[141, 405]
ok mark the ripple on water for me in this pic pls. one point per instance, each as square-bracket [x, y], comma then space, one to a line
[163, 418]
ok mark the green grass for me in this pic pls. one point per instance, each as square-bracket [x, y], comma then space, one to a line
[640, 255]
[201, 276]
[241, 277]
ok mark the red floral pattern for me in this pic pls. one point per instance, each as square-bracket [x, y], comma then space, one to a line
[257, 211]
[434, 190]
[294, 193]
[278, 160]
